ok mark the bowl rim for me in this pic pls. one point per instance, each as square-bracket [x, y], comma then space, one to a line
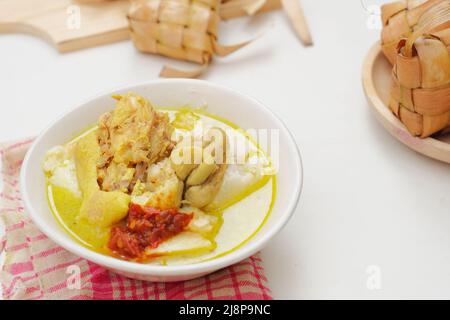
[247, 250]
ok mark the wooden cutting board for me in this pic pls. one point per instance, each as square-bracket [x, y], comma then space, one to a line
[71, 25]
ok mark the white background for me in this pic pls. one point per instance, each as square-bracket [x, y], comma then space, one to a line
[367, 200]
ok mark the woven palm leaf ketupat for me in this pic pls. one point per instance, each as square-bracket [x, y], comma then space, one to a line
[399, 19]
[180, 29]
[420, 90]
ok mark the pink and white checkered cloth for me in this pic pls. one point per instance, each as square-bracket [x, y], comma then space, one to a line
[36, 268]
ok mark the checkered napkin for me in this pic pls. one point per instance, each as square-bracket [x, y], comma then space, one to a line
[36, 268]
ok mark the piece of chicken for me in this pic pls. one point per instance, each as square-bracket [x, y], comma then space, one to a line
[202, 167]
[202, 195]
[131, 137]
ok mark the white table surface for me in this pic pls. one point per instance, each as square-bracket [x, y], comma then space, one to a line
[371, 209]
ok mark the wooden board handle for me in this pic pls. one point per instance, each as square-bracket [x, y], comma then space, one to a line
[67, 24]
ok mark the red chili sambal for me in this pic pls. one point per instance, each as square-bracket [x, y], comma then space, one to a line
[146, 227]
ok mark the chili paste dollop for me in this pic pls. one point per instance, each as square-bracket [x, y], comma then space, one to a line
[146, 227]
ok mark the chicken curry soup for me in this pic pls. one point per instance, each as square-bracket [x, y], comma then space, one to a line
[160, 186]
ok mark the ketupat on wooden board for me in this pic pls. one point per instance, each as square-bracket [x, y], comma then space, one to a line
[71, 25]
[377, 82]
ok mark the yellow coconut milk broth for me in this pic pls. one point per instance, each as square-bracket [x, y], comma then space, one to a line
[237, 226]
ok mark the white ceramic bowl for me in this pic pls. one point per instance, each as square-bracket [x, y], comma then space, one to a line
[242, 110]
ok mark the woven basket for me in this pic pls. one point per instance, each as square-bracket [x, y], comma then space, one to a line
[420, 91]
[399, 19]
[180, 29]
